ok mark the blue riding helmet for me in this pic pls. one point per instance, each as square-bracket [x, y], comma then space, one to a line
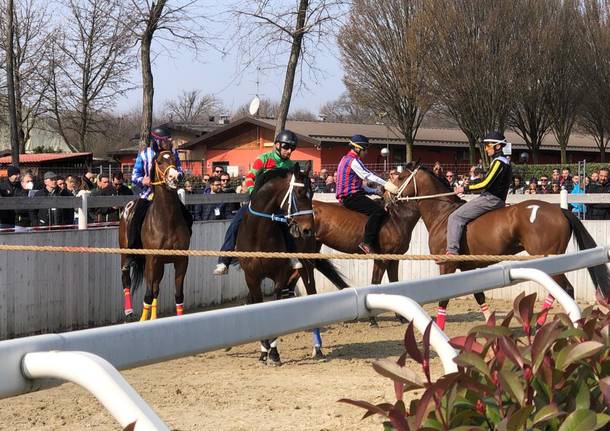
[359, 142]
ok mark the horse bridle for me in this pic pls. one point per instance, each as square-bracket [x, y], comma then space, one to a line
[406, 182]
[292, 203]
[158, 173]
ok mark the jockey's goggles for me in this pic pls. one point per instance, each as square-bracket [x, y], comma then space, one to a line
[287, 146]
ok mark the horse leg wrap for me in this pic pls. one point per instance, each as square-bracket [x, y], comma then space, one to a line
[440, 317]
[486, 311]
[273, 343]
[145, 312]
[179, 309]
[546, 306]
[128, 307]
[153, 310]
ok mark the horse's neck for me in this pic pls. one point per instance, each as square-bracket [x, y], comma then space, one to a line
[165, 199]
[403, 218]
[434, 211]
[266, 200]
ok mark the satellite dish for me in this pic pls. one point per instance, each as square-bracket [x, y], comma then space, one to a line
[254, 105]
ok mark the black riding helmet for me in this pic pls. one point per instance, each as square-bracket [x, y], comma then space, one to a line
[159, 137]
[286, 139]
[495, 138]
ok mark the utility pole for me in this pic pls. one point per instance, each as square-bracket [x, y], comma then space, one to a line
[10, 62]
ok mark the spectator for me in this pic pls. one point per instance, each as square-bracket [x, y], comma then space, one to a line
[217, 171]
[438, 170]
[231, 207]
[48, 216]
[119, 186]
[205, 181]
[555, 188]
[532, 188]
[104, 188]
[555, 176]
[242, 187]
[516, 187]
[320, 183]
[565, 180]
[594, 177]
[61, 182]
[87, 180]
[70, 185]
[544, 187]
[599, 211]
[188, 189]
[8, 187]
[451, 180]
[331, 186]
[22, 217]
[213, 211]
[578, 208]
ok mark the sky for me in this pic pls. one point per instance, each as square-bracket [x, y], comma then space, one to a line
[222, 76]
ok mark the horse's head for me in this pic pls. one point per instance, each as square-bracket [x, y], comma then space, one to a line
[297, 202]
[165, 171]
[417, 181]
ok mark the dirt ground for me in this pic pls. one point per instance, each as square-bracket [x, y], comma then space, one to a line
[232, 391]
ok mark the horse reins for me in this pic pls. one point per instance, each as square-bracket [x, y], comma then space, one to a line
[406, 182]
[288, 197]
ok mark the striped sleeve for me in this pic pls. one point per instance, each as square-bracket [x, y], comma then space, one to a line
[257, 166]
[494, 171]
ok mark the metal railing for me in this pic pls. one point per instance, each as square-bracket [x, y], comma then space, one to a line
[137, 344]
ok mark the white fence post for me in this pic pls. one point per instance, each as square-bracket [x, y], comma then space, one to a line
[83, 210]
[99, 377]
[182, 196]
[563, 199]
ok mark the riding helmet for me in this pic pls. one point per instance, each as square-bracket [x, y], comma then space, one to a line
[359, 142]
[160, 133]
[495, 138]
[286, 137]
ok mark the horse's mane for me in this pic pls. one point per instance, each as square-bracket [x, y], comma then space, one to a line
[267, 176]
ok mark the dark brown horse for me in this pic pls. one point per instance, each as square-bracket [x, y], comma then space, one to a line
[280, 206]
[164, 227]
[537, 227]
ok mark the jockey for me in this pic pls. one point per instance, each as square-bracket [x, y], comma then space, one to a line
[285, 143]
[495, 187]
[160, 140]
[351, 191]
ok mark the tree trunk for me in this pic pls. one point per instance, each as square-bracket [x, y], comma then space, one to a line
[602, 154]
[295, 52]
[148, 89]
[10, 55]
[472, 151]
[19, 110]
[535, 155]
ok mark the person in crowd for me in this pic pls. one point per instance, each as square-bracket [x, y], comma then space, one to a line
[70, 185]
[578, 208]
[104, 188]
[213, 211]
[594, 177]
[217, 171]
[242, 187]
[565, 180]
[532, 188]
[61, 182]
[48, 216]
[351, 190]
[118, 182]
[231, 208]
[87, 180]
[516, 187]
[450, 177]
[8, 187]
[494, 189]
[320, 182]
[205, 181]
[331, 186]
[556, 175]
[599, 211]
[22, 217]
[544, 187]
[188, 189]
[555, 188]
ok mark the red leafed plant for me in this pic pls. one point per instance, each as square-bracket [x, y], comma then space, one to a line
[555, 377]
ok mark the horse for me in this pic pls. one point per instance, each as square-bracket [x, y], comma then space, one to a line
[342, 229]
[281, 200]
[165, 227]
[533, 226]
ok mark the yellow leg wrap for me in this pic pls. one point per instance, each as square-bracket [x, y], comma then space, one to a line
[153, 310]
[145, 312]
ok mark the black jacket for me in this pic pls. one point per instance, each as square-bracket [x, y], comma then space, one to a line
[598, 211]
[8, 190]
[49, 216]
[22, 217]
[498, 178]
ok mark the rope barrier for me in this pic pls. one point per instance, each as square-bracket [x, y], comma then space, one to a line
[266, 255]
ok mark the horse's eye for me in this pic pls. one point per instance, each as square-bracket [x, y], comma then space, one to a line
[166, 156]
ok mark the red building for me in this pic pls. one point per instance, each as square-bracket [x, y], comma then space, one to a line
[237, 144]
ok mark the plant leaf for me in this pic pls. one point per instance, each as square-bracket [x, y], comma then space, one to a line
[519, 418]
[512, 383]
[583, 401]
[426, 352]
[469, 359]
[601, 420]
[509, 317]
[398, 419]
[544, 339]
[411, 344]
[461, 341]
[575, 352]
[511, 350]
[496, 331]
[392, 370]
[423, 405]
[384, 406]
[547, 412]
[365, 405]
[604, 386]
[579, 420]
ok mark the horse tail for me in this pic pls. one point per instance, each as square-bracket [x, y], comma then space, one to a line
[137, 271]
[330, 271]
[599, 273]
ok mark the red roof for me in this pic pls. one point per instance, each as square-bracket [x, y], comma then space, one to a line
[43, 157]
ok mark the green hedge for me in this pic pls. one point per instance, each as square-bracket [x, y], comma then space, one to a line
[528, 171]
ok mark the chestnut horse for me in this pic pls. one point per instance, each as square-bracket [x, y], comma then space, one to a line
[280, 206]
[534, 226]
[164, 227]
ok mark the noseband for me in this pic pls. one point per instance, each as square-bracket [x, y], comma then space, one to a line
[292, 205]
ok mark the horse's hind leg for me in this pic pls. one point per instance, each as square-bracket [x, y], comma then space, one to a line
[563, 281]
[480, 298]
[379, 268]
[309, 281]
[180, 267]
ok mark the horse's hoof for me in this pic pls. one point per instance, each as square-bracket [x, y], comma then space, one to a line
[373, 323]
[274, 358]
[263, 357]
[130, 318]
[401, 319]
[317, 355]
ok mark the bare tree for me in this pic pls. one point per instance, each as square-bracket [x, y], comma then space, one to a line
[9, 35]
[193, 106]
[470, 46]
[302, 115]
[89, 67]
[170, 26]
[268, 30]
[530, 116]
[382, 59]
[347, 110]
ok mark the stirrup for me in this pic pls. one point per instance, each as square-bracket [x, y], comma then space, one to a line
[221, 269]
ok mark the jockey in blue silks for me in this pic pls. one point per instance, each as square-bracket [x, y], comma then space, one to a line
[160, 140]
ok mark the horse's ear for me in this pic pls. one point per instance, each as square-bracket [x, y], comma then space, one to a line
[296, 169]
[307, 168]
